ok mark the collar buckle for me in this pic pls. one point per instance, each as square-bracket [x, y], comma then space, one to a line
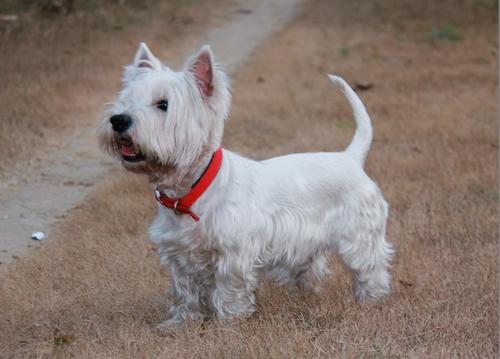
[174, 207]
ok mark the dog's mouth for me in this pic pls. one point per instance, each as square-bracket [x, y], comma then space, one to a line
[129, 151]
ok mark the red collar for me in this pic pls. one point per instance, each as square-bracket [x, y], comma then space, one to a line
[183, 204]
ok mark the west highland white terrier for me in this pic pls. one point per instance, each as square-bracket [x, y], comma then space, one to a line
[224, 220]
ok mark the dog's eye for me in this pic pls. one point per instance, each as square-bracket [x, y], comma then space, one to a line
[162, 105]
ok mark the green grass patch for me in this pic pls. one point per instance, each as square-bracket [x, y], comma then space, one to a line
[344, 124]
[447, 32]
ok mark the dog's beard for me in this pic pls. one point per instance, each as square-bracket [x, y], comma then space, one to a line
[153, 169]
[135, 157]
[139, 160]
[168, 175]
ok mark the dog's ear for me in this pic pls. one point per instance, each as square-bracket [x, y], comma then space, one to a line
[144, 58]
[201, 65]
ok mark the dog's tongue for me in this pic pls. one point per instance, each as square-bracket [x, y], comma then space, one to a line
[127, 150]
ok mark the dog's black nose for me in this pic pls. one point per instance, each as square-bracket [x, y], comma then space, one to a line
[120, 122]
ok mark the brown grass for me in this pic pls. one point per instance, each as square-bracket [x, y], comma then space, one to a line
[98, 289]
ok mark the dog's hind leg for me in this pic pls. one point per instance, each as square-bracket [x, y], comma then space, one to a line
[366, 251]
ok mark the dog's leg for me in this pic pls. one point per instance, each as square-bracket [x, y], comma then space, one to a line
[369, 264]
[236, 278]
[189, 291]
[368, 252]
[309, 278]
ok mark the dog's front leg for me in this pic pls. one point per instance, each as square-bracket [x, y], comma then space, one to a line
[236, 278]
[189, 292]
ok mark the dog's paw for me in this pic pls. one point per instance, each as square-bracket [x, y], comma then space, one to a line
[176, 322]
[170, 323]
[169, 326]
[371, 294]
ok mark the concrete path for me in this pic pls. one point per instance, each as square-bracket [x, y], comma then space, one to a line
[37, 198]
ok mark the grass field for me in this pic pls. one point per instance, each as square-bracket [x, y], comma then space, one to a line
[97, 289]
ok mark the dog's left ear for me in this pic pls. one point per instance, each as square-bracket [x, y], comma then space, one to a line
[144, 58]
[201, 65]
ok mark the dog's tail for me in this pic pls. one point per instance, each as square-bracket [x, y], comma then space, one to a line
[360, 144]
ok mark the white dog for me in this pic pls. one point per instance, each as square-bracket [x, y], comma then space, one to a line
[225, 220]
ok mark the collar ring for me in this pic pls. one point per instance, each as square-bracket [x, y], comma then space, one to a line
[174, 207]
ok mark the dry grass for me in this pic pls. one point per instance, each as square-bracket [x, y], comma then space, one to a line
[98, 287]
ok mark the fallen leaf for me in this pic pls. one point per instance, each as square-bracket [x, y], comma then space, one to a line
[405, 283]
[358, 86]
[63, 339]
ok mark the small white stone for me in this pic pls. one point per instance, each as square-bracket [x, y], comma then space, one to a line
[38, 236]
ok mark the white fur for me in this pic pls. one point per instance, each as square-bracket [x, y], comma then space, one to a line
[279, 217]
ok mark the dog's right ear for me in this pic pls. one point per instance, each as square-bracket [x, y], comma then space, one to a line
[201, 66]
[144, 58]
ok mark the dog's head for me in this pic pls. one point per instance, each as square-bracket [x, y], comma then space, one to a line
[164, 120]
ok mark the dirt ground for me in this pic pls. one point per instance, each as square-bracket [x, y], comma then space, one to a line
[97, 289]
